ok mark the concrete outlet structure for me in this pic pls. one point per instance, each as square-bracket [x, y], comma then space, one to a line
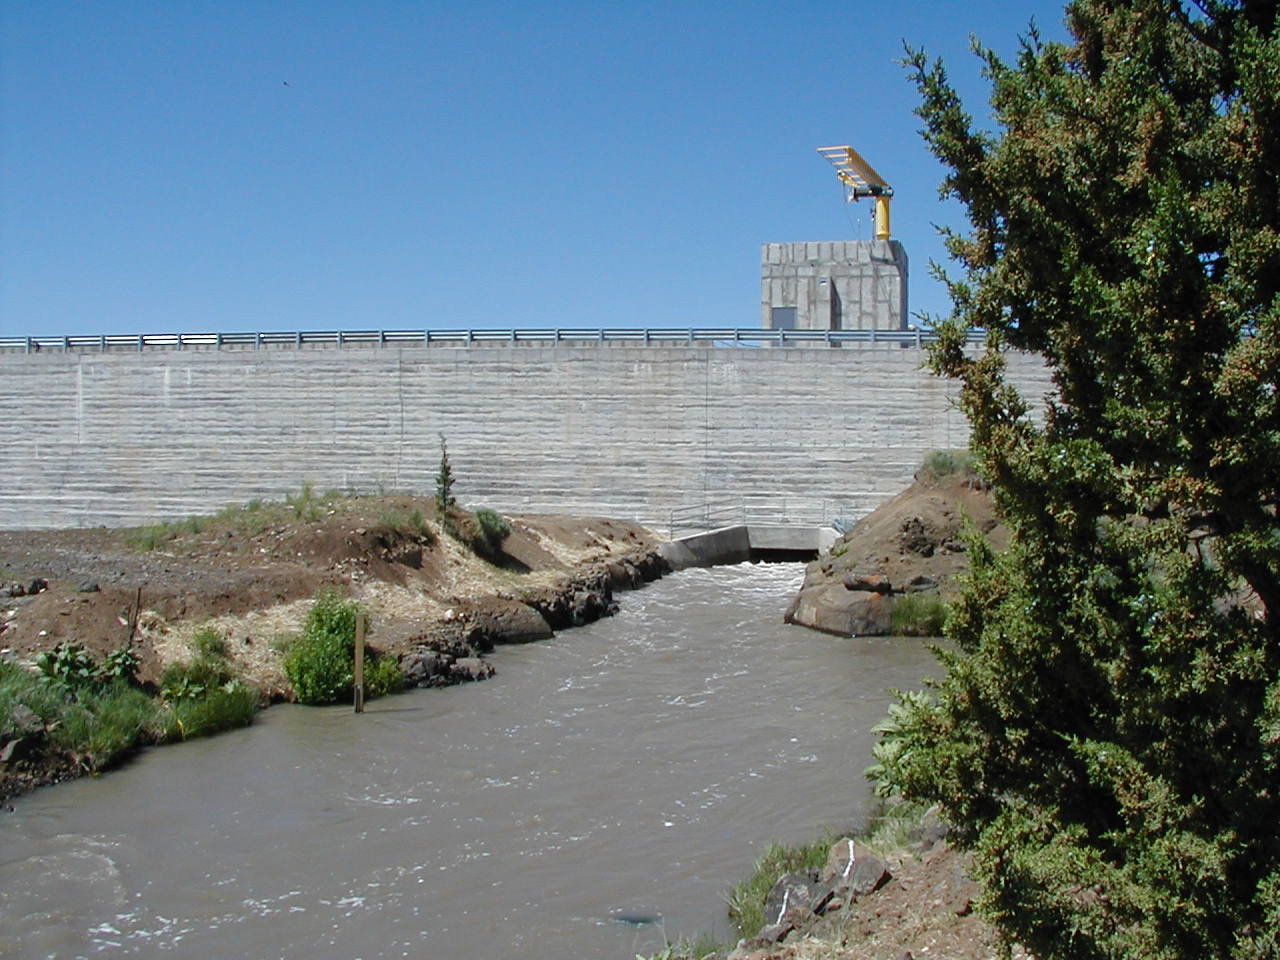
[842, 285]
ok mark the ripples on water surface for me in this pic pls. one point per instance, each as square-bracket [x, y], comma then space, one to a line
[633, 767]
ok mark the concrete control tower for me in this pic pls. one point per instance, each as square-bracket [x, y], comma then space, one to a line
[841, 285]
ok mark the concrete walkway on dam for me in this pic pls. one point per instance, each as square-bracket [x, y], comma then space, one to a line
[623, 427]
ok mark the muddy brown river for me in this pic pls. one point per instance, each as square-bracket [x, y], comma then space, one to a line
[600, 794]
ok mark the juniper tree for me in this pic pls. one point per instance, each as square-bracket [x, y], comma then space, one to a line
[1106, 736]
[444, 481]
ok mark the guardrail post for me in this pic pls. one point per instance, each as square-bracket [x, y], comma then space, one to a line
[28, 350]
[297, 339]
[139, 343]
[257, 340]
[102, 343]
[217, 342]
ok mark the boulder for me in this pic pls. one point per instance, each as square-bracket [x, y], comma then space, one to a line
[472, 668]
[504, 620]
[833, 608]
[854, 870]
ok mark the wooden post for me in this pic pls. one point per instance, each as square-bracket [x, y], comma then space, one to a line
[359, 671]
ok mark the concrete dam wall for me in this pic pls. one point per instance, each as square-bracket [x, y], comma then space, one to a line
[634, 431]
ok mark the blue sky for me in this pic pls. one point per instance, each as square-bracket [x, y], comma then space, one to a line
[186, 166]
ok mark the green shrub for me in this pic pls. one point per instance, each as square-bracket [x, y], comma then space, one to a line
[746, 900]
[320, 664]
[918, 615]
[382, 675]
[319, 667]
[493, 527]
[194, 680]
[943, 463]
[407, 522]
[209, 643]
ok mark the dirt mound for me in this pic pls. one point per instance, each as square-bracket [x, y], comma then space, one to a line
[250, 573]
[911, 546]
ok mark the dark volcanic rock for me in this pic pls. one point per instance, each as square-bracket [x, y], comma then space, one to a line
[503, 620]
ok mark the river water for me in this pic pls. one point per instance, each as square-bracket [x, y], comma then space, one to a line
[626, 771]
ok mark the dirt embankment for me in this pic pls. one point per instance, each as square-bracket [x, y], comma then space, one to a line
[252, 574]
[908, 550]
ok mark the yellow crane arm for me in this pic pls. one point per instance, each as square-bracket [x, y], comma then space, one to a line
[861, 180]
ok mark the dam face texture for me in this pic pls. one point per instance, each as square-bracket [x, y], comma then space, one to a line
[790, 434]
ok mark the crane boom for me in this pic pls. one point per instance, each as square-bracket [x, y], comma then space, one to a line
[861, 180]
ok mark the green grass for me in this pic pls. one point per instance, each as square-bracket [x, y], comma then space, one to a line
[918, 615]
[894, 827]
[222, 708]
[95, 729]
[747, 898]
[410, 523]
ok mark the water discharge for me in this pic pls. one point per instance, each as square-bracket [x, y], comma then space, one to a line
[602, 792]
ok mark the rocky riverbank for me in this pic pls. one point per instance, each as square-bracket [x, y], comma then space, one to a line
[894, 569]
[438, 601]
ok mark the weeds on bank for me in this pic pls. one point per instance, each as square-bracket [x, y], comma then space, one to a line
[407, 522]
[747, 898]
[918, 615]
[684, 949]
[93, 712]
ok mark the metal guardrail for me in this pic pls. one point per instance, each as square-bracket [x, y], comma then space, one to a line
[716, 336]
[779, 511]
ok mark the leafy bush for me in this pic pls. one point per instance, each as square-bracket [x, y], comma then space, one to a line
[321, 663]
[918, 615]
[72, 667]
[382, 675]
[208, 670]
[203, 696]
[408, 522]
[209, 643]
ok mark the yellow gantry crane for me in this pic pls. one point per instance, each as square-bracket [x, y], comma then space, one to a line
[860, 180]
